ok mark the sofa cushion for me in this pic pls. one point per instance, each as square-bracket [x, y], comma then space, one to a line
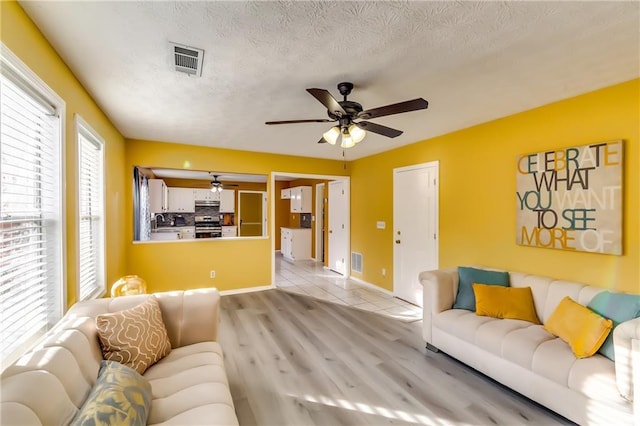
[135, 337]
[618, 307]
[120, 396]
[595, 378]
[190, 384]
[490, 335]
[505, 302]
[553, 359]
[520, 345]
[460, 323]
[581, 328]
[465, 298]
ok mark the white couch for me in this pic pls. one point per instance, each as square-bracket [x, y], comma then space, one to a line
[528, 359]
[50, 383]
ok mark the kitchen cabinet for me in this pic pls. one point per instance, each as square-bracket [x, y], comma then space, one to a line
[181, 200]
[285, 194]
[205, 195]
[158, 196]
[187, 232]
[229, 231]
[295, 243]
[300, 199]
[227, 201]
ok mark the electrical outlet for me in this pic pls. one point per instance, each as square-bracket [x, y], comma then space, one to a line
[212, 274]
[384, 272]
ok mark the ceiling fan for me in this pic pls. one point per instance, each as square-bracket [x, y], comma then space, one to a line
[345, 112]
[217, 186]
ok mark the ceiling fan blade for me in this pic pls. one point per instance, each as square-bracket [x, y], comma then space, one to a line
[318, 120]
[379, 129]
[322, 140]
[328, 101]
[400, 107]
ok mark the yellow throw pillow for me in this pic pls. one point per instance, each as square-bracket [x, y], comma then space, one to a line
[579, 326]
[135, 337]
[505, 302]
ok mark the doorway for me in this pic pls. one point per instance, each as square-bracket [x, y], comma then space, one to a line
[252, 208]
[415, 227]
[327, 248]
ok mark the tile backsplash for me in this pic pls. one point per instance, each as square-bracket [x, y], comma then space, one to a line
[189, 218]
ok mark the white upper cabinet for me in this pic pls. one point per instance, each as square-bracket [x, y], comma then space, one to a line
[285, 193]
[206, 195]
[227, 201]
[158, 196]
[300, 199]
[181, 200]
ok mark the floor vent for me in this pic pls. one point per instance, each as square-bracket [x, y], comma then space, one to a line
[187, 59]
[356, 262]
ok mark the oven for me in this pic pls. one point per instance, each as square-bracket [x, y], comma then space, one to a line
[208, 227]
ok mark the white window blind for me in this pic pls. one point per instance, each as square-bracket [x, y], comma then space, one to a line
[91, 281]
[31, 226]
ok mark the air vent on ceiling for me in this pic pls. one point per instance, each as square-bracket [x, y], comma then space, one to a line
[187, 59]
[356, 262]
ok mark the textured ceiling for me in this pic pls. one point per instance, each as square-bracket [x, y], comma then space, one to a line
[473, 62]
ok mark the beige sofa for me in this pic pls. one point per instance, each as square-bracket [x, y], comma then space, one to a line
[528, 359]
[49, 384]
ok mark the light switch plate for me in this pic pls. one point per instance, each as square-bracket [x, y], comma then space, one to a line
[381, 224]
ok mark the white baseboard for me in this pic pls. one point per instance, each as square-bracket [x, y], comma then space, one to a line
[246, 290]
[373, 286]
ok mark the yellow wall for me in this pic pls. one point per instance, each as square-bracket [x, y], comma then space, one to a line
[24, 39]
[477, 190]
[239, 263]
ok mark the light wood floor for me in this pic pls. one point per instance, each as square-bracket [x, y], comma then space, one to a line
[295, 360]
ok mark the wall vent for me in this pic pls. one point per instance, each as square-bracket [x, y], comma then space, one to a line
[187, 59]
[356, 262]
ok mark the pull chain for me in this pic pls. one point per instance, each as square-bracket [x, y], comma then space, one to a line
[345, 161]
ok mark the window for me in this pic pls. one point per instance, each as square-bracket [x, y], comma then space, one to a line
[31, 200]
[91, 281]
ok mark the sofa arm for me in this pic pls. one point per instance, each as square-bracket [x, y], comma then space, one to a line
[190, 316]
[438, 294]
[626, 344]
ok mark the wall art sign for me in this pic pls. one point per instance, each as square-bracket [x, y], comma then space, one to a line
[571, 198]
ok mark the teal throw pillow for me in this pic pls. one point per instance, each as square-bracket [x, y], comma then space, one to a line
[466, 299]
[618, 307]
[121, 396]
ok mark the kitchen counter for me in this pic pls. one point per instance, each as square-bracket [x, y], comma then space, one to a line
[169, 233]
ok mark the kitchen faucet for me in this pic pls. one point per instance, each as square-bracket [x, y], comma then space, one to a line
[156, 218]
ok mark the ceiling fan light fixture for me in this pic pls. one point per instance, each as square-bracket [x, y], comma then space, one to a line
[331, 135]
[347, 141]
[357, 134]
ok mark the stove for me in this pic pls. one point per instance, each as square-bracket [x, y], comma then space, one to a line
[208, 227]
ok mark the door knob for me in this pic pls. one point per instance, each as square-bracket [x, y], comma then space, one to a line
[330, 231]
[397, 241]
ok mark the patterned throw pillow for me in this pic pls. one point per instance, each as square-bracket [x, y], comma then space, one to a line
[120, 396]
[135, 337]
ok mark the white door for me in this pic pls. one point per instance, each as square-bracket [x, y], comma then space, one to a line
[319, 221]
[338, 226]
[415, 228]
